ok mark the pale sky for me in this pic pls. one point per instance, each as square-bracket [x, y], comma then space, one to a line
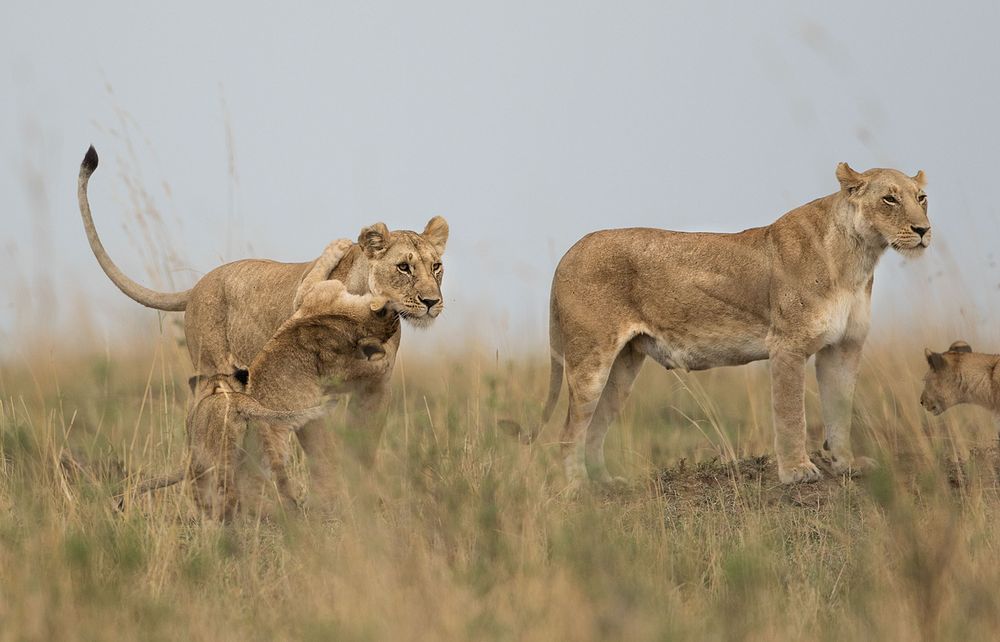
[525, 124]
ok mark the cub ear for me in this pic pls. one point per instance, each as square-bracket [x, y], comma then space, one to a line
[243, 376]
[960, 346]
[934, 359]
[436, 233]
[850, 180]
[919, 179]
[374, 240]
[193, 383]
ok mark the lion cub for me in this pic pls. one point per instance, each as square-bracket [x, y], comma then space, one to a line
[960, 375]
[216, 423]
[334, 344]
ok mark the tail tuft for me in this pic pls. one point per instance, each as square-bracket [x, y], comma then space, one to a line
[90, 162]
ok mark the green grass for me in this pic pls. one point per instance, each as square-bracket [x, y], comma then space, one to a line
[462, 533]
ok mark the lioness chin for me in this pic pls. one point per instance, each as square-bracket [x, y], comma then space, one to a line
[796, 288]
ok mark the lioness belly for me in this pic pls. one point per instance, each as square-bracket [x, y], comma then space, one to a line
[677, 353]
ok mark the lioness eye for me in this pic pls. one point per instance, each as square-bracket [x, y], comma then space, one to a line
[922, 199]
[403, 267]
[890, 199]
[436, 267]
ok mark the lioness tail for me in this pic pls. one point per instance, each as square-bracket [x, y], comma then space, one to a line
[168, 301]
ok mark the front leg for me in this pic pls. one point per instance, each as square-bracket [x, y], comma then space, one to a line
[788, 401]
[367, 411]
[836, 373]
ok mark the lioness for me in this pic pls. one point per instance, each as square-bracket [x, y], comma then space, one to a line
[216, 423]
[798, 287]
[960, 375]
[232, 311]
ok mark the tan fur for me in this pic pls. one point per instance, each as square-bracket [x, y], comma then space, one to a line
[336, 343]
[321, 269]
[960, 375]
[217, 421]
[236, 308]
[798, 287]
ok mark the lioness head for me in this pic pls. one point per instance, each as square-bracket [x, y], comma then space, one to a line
[942, 383]
[406, 269]
[891, 207]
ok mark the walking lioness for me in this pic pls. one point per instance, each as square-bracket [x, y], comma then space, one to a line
[798, 287]
[232, 311]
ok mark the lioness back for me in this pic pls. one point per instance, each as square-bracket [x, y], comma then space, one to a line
[237, 307]
[659, 282]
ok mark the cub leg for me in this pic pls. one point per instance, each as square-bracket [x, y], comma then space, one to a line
[229, 462]
[274, 441]
[788, 401]
[836, 373]
[623, 373]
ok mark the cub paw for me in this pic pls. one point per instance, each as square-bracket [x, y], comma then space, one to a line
[854, 466]
[801, 473]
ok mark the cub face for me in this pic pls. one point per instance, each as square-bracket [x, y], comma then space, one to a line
[406, 268]
[349, 331]
[891, 206]
[941, 383]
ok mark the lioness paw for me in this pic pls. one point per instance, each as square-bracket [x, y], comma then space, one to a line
[800, 473]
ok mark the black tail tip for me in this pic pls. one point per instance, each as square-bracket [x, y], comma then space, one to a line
[90, 160]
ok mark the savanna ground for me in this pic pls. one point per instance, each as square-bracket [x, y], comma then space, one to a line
[463, 533]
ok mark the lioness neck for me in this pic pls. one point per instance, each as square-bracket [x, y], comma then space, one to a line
[844, 238]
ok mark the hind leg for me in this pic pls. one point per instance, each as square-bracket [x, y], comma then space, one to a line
[586, 380]
[274, 441]
[616, 391]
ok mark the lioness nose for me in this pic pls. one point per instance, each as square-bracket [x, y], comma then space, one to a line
[919, 230]
[430, 303]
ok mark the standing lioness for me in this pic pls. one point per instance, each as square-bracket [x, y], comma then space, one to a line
[232, 311]
[798, 287]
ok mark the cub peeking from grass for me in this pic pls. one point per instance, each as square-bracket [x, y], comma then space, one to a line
[960, 375]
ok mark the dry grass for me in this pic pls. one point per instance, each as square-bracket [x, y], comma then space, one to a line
[462, 533]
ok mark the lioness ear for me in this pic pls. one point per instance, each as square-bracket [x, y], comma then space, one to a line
[436, 233]
[850, 180]
[919, 179]
[374, 240]
[960, 346]
[934, 359]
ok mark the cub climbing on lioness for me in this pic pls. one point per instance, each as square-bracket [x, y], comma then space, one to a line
[334, 344]
[233, 310]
